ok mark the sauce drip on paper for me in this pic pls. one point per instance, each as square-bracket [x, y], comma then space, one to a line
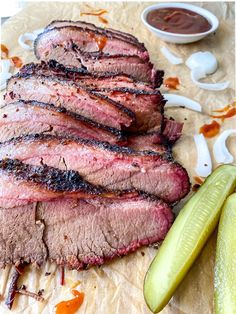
[16, 61]
[4, 52]
[70, 306]
[198, 180]
[226, 108]
[97, 13]
[210, 130]
[103, 20]
[229, 114]
[172, 82]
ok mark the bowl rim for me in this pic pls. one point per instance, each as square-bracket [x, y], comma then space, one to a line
[213, 20]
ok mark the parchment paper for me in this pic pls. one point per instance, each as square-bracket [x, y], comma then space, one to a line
[117, 287]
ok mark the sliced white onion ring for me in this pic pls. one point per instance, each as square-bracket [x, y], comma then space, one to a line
[5, 74]
[174, 100]
[203, 63]
[4, 77]
[199, 73]
[205, 60]
[170, 56]
[28, 37]
[204, 163]
[5, 66]
[220, 150]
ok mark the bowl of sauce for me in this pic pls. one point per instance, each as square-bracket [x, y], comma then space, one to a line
[179, 23]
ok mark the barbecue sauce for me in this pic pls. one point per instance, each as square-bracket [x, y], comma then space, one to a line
[103, 20]
[101, 42]
[70, 306]
[229, 114]
[226, 108]
[210, 130]
[17, 62]
[172, 82]
[178, 21]
[95, 13]
[4, 52]
[198, 180]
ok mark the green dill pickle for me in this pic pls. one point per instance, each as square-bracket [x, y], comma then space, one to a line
[190, 231]
[225, 267]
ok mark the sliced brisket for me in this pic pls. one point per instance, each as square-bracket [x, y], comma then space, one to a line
[149, 142]
[22, 184]
[94, 81]
[85, 25]
[81, 233]
[172, 130]
[71, 96]
[87, 40]
[110, 166]
[31, 117]
[77, 45]
[147, 104]
[21, 235]
[120, 63]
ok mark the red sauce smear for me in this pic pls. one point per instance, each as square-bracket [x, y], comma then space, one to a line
[178, 20]
[101, 42]
[95, 13]
[98, 13]
[172, 82]
[4, 52]
[17, 62]
[70, 306]
[229, 114]
[226, 108]
[210, 130]
[198, 180]
[103, 20]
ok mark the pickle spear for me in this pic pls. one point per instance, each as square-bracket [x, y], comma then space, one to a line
[187, 236]
[225, 267]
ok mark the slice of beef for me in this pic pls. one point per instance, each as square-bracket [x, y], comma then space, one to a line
[86, 40]
[110, 166]
[81, 233]
[102, 31]
[120, 63]
[21, 235]
[172, 130]
[95, 81]
[67, 94]
[150, 142]
[22, 184]
[146, 104]
[86, 233]
[77, 46]
[31, 117]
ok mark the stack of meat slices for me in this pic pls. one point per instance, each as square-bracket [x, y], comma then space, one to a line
[85, 155]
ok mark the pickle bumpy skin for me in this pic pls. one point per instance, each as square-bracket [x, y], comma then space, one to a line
[225, 266]
[187, 236]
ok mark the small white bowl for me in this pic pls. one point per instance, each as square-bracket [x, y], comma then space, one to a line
[180, 38]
